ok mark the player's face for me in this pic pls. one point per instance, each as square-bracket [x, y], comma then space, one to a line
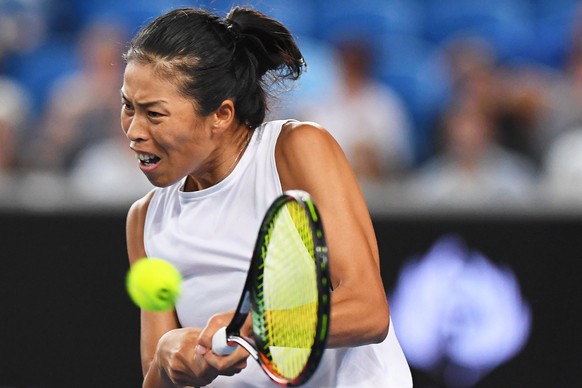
[170, 139]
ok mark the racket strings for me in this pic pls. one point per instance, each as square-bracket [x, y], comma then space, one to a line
[290, 292]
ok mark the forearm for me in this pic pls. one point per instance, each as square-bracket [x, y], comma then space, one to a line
[156, 378]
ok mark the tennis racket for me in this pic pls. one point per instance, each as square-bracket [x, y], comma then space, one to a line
[287, 292]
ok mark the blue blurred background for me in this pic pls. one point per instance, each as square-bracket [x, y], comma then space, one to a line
[406, 73]
[462, 120]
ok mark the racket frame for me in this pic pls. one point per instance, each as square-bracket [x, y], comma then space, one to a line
[248, 300]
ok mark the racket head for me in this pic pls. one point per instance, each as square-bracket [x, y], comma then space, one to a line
[290, 290]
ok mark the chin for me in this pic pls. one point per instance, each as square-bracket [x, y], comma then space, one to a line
[161, 182]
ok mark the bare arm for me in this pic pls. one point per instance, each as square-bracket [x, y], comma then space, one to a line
[153, 325]
[308, 158]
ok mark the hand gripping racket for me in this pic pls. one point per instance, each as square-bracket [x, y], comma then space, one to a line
[287, 292]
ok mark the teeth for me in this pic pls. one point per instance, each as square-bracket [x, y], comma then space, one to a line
[145, 157]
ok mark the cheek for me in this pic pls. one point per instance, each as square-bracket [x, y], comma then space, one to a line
[187, 149]
[183, 136]
[180, 146]
[185, 140]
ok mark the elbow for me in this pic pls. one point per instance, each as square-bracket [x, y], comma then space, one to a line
[380, 327]
[379, 322]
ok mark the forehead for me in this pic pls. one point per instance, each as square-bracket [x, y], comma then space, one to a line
[142, 82]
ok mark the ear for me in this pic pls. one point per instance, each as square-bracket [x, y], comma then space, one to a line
[224, 116]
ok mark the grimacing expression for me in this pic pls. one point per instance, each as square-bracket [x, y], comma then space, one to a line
[170, 139]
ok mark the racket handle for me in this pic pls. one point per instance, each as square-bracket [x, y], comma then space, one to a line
[220, 345]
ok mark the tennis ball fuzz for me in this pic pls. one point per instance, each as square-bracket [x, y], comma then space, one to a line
[153, 284]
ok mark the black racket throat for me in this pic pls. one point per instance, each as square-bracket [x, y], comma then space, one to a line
[242, 312]
[233, 334]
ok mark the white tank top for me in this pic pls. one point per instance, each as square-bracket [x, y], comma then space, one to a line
[209, 236]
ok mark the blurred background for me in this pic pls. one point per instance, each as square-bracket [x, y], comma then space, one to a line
[461, 118]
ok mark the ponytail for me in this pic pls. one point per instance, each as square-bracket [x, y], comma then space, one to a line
[268, 40]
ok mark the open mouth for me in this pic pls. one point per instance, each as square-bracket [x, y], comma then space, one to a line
[147, 159]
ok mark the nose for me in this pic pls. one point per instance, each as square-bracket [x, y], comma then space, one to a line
[134, 129]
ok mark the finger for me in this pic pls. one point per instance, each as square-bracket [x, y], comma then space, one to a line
[234, 369]
[237, 368]
[202, 368]
[235, 360]
[215, 322]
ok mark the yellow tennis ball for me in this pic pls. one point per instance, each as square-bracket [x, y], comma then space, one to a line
[153, 284]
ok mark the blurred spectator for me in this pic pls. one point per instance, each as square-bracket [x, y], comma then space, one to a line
[368, 119]
[472, 167]
[513, 94]
[13, 120]
[83, 106]
[563, 104]
[471, 62]
[561, 140]
[563, 95]
[523, 103]
[22, 26]
[562, 174]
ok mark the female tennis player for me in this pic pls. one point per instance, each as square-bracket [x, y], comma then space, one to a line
[194, 100]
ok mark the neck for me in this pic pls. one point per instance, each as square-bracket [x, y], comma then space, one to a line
[226, 165]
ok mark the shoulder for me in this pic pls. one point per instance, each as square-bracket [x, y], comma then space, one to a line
[139, 208]
[305, 153]
[303, 136]
[299, 129]
[135, 226]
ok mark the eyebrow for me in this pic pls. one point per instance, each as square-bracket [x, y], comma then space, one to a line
[145, 104]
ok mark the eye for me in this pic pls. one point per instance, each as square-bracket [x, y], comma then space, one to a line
[154, 115]
[126, 106]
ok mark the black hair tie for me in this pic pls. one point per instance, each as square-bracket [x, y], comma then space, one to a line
[233, 28]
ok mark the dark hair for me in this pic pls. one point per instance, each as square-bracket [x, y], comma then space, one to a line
[214, 59]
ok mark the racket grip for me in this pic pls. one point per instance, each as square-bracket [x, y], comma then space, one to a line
[220, 345]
